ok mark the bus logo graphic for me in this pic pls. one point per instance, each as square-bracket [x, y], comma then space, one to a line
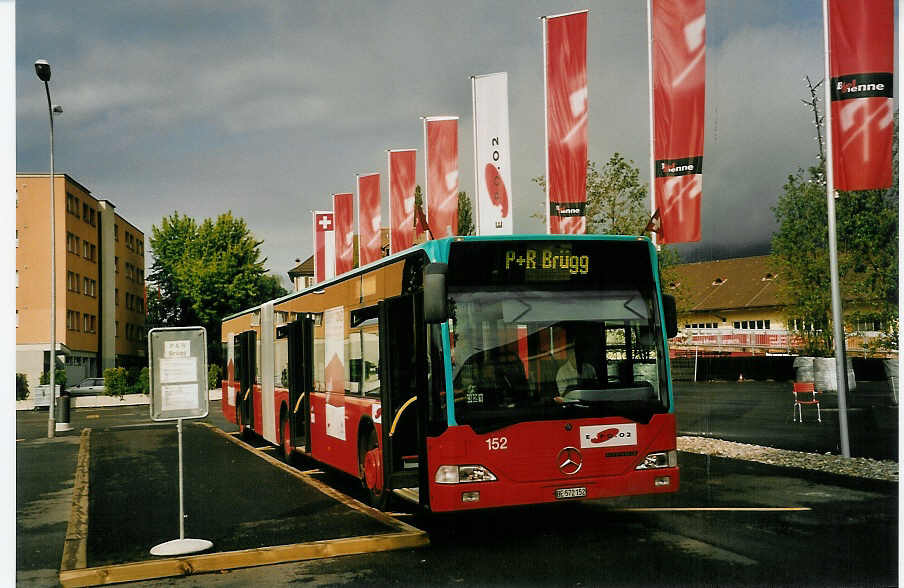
[608, 435]
[604, 436]
[570, 461]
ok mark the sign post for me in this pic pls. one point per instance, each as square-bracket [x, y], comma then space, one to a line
[178, 382]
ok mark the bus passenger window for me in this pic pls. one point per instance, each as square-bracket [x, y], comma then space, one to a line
[281, 363]
[370, 364]
[353, 364]
[257, 360]
[319, 361]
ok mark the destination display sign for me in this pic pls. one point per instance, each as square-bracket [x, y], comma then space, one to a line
[559, 263]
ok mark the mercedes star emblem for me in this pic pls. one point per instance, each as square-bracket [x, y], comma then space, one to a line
[570, 461]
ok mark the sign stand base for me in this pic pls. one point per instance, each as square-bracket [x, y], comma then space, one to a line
[181, 547]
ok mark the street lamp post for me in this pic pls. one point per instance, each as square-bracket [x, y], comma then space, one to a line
[42, 69]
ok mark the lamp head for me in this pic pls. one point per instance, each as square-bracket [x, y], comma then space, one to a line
[42, 68]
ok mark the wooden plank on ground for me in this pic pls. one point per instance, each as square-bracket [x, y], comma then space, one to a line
[75, 546]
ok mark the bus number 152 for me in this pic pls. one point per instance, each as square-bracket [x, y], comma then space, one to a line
[497, 443]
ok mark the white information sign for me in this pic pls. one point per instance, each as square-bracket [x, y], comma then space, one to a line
[178, 373]
[179, 396]
[178, 370]
[177, 348]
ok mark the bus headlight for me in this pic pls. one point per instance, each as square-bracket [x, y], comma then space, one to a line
[462, 474]
[660, 459]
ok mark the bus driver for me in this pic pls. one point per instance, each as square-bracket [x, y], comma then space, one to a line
[568, 377]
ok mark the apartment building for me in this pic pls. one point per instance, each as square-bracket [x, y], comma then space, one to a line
[100, 294]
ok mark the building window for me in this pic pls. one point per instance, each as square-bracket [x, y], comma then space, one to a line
[737, 324]
[116, 232]
[116, 296]
[767, 323]
[116, 264]
[17, 319]
[17, 278]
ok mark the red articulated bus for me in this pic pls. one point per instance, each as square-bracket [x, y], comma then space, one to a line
[471, 372]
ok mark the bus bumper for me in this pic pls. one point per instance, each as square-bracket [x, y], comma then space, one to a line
[455, 497]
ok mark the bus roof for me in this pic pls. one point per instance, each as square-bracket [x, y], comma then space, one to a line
[437, 250]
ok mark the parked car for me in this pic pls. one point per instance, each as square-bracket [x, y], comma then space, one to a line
[88, 387]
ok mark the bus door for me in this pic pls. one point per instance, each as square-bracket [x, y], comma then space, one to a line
[244, 402]
[300, 334]
[403, 375]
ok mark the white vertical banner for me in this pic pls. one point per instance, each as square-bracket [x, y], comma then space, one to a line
[492, 154]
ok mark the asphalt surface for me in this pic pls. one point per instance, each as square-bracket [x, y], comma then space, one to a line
[849, 537]
[713, 532]
[761, 413]
[259, 506]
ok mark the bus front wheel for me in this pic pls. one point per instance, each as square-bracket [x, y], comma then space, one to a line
[371, 468]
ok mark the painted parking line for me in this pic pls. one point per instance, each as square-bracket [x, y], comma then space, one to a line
[73, 570]
[92, 416]
[717, 509]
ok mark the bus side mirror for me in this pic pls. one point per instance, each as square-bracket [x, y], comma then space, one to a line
[670, 310]
[435, 307]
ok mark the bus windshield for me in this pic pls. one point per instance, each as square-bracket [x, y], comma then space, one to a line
[528, 354]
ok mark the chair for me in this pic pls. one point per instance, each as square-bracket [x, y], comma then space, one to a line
[805, 393]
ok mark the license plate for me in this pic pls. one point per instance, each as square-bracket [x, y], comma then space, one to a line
[562, 493]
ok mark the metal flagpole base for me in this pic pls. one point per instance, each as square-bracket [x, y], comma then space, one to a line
[181, 547]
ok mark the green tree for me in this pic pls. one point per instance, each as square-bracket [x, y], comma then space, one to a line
[867, 252]
[617, 204]
[867, 256]
[203, 272]
[22, 386]
[616, 199]
[465, 216]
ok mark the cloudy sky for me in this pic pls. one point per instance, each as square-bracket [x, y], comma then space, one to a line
[266, 108]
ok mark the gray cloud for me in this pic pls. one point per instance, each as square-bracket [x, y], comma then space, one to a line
[267, 108]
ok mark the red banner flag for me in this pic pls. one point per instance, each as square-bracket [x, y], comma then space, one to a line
[324, 259]
[861, 66]
[401, 198]
[678, 65]
[344, 219]
[441, 142]
[565, 66]
[369, 249]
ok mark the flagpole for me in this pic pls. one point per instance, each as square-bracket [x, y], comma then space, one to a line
[837, 324]
[653, 234]
[474, 141]
[545, 23]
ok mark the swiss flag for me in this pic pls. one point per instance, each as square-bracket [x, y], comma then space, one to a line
[324, 247]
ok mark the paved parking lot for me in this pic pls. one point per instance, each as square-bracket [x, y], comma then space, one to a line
[753, 412]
